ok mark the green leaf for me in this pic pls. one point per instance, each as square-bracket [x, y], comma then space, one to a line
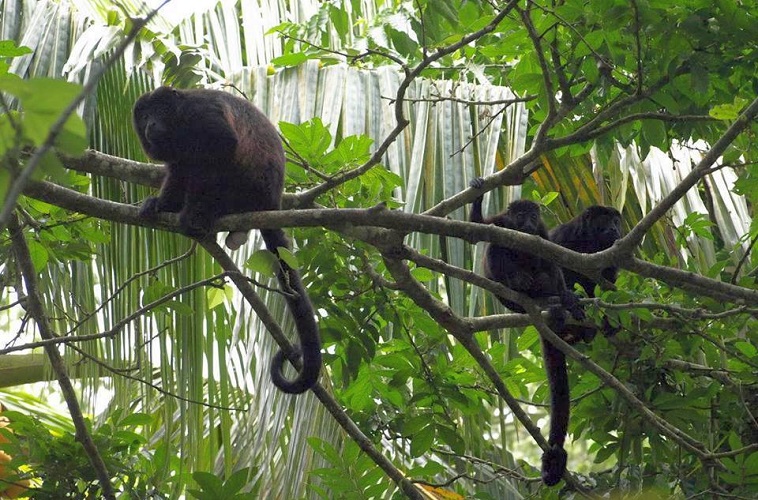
[263, 262]
[43, 101]
[422, 274]
[135, 419]
[292, 59]
[39, 254]
[451, 438]
[422, 441]
[8, 48]
[746, 348]
[310, 139]
[178, 307]
[236, 482]
[654, 131]
[214, 296]
[727, 112]
[326, 450]
[528, 338]
[288, 257]
[210, 483]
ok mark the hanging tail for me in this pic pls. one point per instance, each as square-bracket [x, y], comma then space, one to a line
[302, 311]
[554, 459]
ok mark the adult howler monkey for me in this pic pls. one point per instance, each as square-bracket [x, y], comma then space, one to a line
[223, 156]
[538, 278]
[594, 230]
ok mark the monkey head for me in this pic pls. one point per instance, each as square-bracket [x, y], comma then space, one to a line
[603, 224]
[524, 216]
[176, 125]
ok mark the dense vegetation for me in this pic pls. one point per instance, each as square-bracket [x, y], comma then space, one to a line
[387, 109]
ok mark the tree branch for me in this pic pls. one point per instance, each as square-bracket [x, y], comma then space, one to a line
[402, 122]
[37, 311]
[349, 219]
[331, 404]
[634, 238]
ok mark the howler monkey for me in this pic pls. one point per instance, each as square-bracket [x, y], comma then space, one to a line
[594, 230]
[538, 278]
[223, 156]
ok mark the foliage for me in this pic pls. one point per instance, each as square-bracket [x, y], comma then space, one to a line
[215, 487]
[59, 468]
[351, 474]
[596, 76]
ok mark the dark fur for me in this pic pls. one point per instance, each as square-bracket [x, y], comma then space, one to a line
[223, 156]
[539, 279]
[595, 229]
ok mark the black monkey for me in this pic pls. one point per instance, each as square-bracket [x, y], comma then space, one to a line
[223, 156]
[595, 229]
[539, 279]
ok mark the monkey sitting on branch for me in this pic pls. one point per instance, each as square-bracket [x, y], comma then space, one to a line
[223, 156]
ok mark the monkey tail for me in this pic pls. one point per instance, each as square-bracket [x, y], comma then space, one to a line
[554, 459]
[302, 311]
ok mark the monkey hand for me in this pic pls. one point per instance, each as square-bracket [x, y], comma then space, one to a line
[150, 207]
[194, 225]
[577, 312]
[553, 465]
[571, 302]
[476, 183]
[556, 319]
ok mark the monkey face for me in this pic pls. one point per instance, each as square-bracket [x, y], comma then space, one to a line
[603, 224]
[524, 216]
[157, 117]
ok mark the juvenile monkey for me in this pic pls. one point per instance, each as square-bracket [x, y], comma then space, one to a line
[223, 156]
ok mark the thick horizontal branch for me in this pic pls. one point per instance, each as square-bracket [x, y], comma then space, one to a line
[349, 219]
[332, 218]
[694, 283]
[135, 172]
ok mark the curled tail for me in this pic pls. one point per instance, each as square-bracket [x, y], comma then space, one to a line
[554, 459]
[305, 321]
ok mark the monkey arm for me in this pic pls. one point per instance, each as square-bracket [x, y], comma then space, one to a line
[476, 209]
[504, 266]
[569, 299]
[171, 197]
[202, 205]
